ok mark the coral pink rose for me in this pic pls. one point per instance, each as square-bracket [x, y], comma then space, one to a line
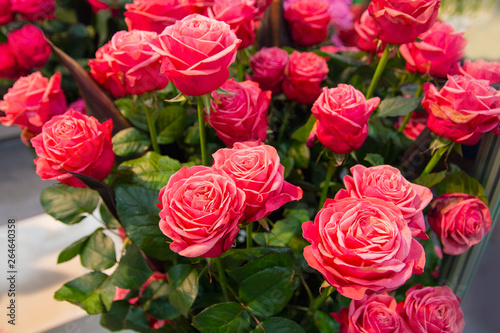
[127, 65]
[303, 77]
[9, 67]
[460, 221]
[362, 245]
[77, 143]
[34, 10]
[6, 13]
[256, 169]
[432, 310]
[32, 101]
[268, 66]
[479, 69]
[308, 21]
[415, 126]
[437, 52]
[29, 46]
[342, 118]
[374, 313]
[463, 109]
[197, 52]
[401, 21]
[367, 34]
[387, 183]
[201, 208]
[240, 15]
[240, 115]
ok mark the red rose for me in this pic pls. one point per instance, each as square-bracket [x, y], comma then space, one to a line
[77, 143]
[432, 310]
[367, 34]
[308, 21]
[197, 52]
[415, 126]
[9, 67]
[401, 21]
[386, 183]
[34, 10]
[479, 69]
[375, 313]
[342, 118]
[127, 65]
[201, 208]
[29, 46]
[32, 101]
[240, 115]
[303, 77]
[256, 169]
[463, 109]
[460, 221]
[239, 14]
[268, 66]
[362, 245]
[6, 13]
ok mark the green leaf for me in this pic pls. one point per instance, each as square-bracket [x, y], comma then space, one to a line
[155, 302]
[152, 170]
[123, 316]
[98, 253]
[460, 182]
[132, 271]
[236, 257]
[179, 98]
[279, 325]
[183, 287]
[300, 154]
[68, 204]
[108, 218]
[130, 141]
[269, 298]
[172, 123]
[133, 112]
[374, 159]
[302, 134]
[139, 215]
[285, 259]
[431, 179]
[223, 318]
[72, 251]
[325, 323]
[398, 106]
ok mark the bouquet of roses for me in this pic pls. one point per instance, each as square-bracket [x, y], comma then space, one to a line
[254, 188]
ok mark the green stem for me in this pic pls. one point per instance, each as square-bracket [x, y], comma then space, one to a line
[201, 124]
[326, 186]
[418, 93]
[284, 124]
[378, 71]
[152, 128]
[316, 304]
[222, 277]
[249, 235]
[434, 160]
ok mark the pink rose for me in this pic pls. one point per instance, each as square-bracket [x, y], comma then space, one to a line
[6, 13]
[78, 106]
[342, 118]
[241, 115]
[432, 310]
[9, 67]
[256, 169]
[460, 221]
[77, 143]
[362, 245]
[415, 126]
[240, 15]
[479, 69]
[29, 47]
[34, 10]
[441, 47]
[201, 208]
[268, 66]
[127, 65]
[401, 21]
[341, 16]
[303, 77]
[386, 183]
[463, 109]
[367, 34]
[308, 21]
[32, 101]
[374, 313]
[197, 52]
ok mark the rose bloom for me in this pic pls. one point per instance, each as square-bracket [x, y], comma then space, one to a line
[239, 14]
[387, 183]
[29, 46]
[78, 106]
[463, 109]
[362, 245]
[32, 101]
[240, 115]
[201, 208]
[432, 310]
[479, 69]
[401, 21]
[374, 313]
[342, 118]
[341, 16]
[197, 52]
[127, 65]
[9, 67]
[256, 169]
[268, 66]
[441, 47]
[34, 10]
[367, 34]
[6, 13]
[415, 126]
[303, 77]
[460, 220]
[308, 21]
[77, 143]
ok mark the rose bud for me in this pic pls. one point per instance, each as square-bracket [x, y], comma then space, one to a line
[9, 67]
[6, 13]
[308, 21]
[367, 34]
[479, 69]
[29, 46]
[34, 10]
[268, 66]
